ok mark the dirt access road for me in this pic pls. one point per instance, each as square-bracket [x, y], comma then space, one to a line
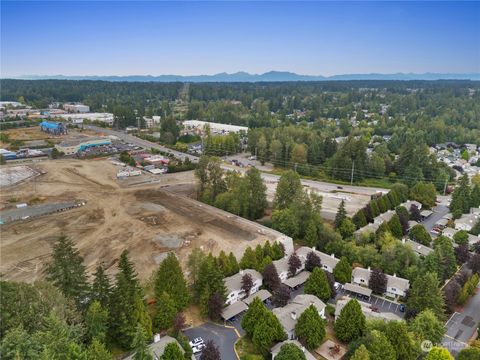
[137, 215]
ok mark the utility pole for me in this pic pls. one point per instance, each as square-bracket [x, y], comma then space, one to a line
[296, 167]
[255, 153]
[353, 169]
[445, 187]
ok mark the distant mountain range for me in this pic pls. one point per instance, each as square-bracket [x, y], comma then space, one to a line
[268, 76]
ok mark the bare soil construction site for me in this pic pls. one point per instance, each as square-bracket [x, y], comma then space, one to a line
[141, 215]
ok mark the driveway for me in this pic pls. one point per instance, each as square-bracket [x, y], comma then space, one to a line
[382, 304]
[223, 337]
[461, 325]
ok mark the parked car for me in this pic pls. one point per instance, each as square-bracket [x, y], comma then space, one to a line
[196, 342]
[401, 308]
[198, 349]
[253, 157]
[337, 286]
[340, 187]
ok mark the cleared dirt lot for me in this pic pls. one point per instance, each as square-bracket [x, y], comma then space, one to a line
[137, 215]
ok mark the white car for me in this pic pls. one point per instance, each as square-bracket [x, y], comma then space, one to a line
[196, 342]
[253, 157]
[197, 349]
[337, 286]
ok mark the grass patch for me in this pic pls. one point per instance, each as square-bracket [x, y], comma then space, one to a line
[246, 350]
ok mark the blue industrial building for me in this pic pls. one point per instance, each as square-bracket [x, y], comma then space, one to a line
[56, 128]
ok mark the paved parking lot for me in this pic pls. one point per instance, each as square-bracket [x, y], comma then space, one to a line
[223, 337]
[382, 304]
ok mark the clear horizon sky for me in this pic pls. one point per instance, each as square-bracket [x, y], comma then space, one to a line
[193, 38]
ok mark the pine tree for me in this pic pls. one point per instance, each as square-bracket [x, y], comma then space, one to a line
[395, 226]
[249, 259]
[266, 331]
[343, 271]
[140, 347]
[361, 353]
[254, 312]
[165, 311]
[66, 270]
[127, 308]
[257, 191]
[277, 251]
[341, 215]
[351, 323]
[460, 203]
[425, 294]
[97, 351]
[317, 284]
[172, 352]
[379, 347]
[402, 341]
[290, 351]
[310, 328]
[101, 287]
[169, 279]
[234, 268]
[311, 236]
[96, 321]
[359, 219]
[195, 259]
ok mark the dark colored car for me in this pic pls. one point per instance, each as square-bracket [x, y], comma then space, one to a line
[401, 308]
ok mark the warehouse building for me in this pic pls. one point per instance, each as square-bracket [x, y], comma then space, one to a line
[76, 108]
[74, 146]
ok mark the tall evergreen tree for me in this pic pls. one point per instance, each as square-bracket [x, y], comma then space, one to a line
[96, 321]
[101, 287]
[402, 340]
[426, 294]
[343, 271]
[257, 193]
[288, 190]
[341, 214]
[165, 311]
[169, 279]
[460, 203]
[310, 328]
[290, 351]
[140, 346]
[379, 347]
[172, 352]
[66, 270]
[351, 323]
[317, 284]
[127, 308]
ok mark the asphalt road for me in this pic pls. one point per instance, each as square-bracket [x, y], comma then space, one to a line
[462, 325]
[223, 337]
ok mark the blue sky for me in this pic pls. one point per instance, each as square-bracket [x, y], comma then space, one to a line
[189, 38]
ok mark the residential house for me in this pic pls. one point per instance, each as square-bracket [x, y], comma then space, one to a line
[281, 266]
[328, 261]
[418, 248]
[396, 286]
[234, 285]
[289, 314]
[466, 221]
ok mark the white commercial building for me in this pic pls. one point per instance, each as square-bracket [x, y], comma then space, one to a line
[78, 118]
[76, 108]
[215, 128]
[152, 122]
[234, 285]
